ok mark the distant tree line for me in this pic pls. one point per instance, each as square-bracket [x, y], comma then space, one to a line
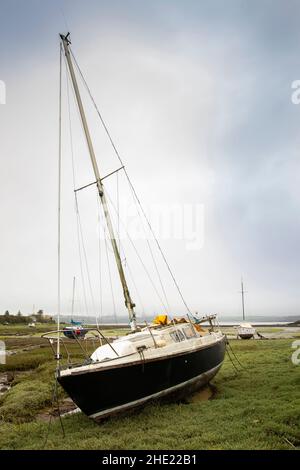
[38, 317]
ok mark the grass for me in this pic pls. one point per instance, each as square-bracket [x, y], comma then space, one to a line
[258, 408]
[11, 329]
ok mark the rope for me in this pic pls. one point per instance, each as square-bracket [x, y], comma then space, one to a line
[129, 181]
[108, 266]
[74, 186]
[138, 255]
[58, 408]
[229, 348]
[54, 399]
[99, 266]
[73, 297]
[87, 266]
[118, 207]
[110, 281]
[136, 290]
[234, 366]
[153, 258]
[234, 355]
[80, 257]
[127, 264]
[79, 224]
[121, 247]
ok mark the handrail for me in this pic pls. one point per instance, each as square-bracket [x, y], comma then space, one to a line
[51, 338]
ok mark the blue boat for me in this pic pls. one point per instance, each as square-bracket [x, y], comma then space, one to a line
[75, 331]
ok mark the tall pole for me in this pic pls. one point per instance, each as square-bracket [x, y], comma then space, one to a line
[128, 302]
[243, 303]
[59, 215]
[73, 297]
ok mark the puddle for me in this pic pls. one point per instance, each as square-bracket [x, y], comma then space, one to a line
[5, 382]
[206, 393]
[4, 388]
[66, 408]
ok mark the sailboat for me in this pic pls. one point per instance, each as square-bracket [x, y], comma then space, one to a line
[245, 330]
[168, 358]
[76, 329]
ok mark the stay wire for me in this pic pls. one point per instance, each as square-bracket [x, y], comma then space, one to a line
[127, 266]
[130, 183]
[121, 248]
[234, 355]
[108, 262]
[138, 255]
[99, 265]
[59, 208]
[231, 360]
[118, 207]
[54, 399]
[78, 212]
[80, 257]
[74, 186]
[87, 267]
[153, 257]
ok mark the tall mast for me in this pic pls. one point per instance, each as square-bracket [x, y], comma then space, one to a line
[128, 302]
[243, 303]
[58, 356]
[73, 297]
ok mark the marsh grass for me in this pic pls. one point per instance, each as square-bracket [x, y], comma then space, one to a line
[17, 329]
[257, 408]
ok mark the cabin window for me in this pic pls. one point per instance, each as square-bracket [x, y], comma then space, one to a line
[177, 336]
[189, 332]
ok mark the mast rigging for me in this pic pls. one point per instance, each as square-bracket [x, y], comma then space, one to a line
[128, 301]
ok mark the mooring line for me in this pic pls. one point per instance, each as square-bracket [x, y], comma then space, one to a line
[235, 356]
[54, 399]
[234, 366]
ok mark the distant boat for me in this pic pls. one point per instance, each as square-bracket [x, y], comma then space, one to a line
[76, 330]
[246, 331]
[73, 332]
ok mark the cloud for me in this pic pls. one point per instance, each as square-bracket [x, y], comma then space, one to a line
[197, 97]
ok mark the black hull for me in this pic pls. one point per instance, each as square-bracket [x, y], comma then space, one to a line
[246, 336]
[103, 392]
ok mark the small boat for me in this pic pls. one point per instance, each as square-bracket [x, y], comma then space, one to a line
[246, 331]
[76, 330]
[168, 358]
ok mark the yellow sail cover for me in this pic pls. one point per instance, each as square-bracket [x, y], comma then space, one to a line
[161, 320]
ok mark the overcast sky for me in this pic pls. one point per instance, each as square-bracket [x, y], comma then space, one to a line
[197, 95]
